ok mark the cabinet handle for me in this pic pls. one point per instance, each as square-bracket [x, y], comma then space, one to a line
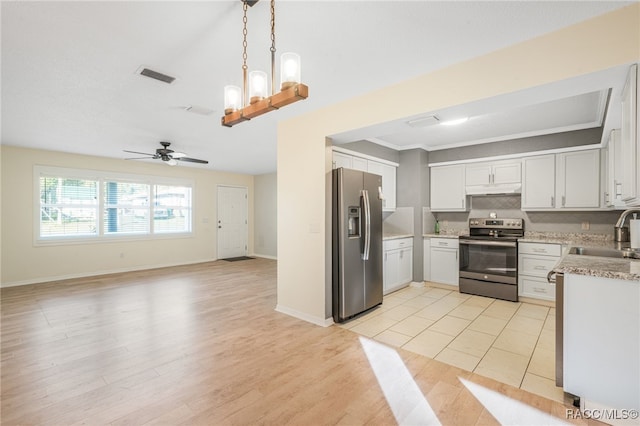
[553, 204]
[540, 268]
[443, 243]
[563, 200]
[539, 250]
[539, 290]
[385, 256]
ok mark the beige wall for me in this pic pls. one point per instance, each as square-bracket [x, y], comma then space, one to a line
[23, 263]
[266, 217]
[606, 41]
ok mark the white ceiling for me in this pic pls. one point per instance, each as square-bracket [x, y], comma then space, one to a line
[69, 79]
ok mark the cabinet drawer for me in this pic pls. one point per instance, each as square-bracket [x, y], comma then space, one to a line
[536, 265]
[444, 242]
[398, 243]
[537, 288]
[540, 248]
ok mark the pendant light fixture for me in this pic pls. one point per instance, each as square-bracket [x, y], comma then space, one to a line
[241, 104]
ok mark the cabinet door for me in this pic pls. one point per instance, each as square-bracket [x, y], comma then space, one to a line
[390, 269]
[342, 160]
[628, 138]
[388, 174]
[444, 266]
[360, 164]
[578, 179]
[447, 188]
[405, 266]
[614, 169]
[478, 174]
[506, 172]
[538, 182]
[426, 258]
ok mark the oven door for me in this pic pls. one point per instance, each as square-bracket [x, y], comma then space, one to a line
[489, 260]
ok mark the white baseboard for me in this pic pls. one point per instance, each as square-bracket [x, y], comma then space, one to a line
[41, 280]
[416, 284]
[304, 316]
[264, 256]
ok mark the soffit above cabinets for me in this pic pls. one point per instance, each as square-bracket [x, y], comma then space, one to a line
[585, 102]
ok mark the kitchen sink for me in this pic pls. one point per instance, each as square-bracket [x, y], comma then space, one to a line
[605, 252]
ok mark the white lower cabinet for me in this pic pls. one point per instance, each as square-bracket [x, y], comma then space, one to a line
[398, 263]
[535, 260]
[426, 259]
[443, 260]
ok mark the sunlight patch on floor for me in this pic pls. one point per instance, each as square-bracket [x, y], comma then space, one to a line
[403, 395]
[508, 411]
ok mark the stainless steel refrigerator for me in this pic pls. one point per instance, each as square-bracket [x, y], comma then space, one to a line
[357, 242]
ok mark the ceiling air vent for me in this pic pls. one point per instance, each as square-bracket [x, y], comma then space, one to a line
[156, 75]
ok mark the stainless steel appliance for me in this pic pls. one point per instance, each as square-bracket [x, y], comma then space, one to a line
[357, 242]
[489, 258]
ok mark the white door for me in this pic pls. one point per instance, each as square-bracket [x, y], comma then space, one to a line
[232, 222]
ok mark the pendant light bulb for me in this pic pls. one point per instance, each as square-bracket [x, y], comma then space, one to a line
[290, 70]
[232, 99]
[257, 86]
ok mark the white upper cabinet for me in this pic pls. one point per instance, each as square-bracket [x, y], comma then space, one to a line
[361, 164]
[578, 179]
[342, 160]
[539, 182]
[570, 180]
[448, 188]
[388, 174]
[613, 175]
[499, 172]
[629, 140]
[478, 174]
[364, 163]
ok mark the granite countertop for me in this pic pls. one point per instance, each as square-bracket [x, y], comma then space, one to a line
[440, 235]
[570, 239]
[595, 266]
[396, 236]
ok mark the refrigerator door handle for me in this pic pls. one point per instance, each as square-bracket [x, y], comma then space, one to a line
[367, 226]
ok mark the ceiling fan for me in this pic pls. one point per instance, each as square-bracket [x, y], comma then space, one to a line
[167, 155]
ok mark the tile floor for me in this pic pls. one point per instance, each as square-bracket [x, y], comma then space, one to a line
[513, 343]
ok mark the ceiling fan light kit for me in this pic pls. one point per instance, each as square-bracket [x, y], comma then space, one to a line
[242, 105]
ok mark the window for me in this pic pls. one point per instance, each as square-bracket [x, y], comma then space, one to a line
[84, 205]
[68, 206]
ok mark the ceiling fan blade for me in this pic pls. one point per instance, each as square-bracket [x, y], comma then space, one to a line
[192, 160]
[136, 152]
[178, 154]
[139, 158]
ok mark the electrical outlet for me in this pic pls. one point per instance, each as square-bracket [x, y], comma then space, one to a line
[585, 226]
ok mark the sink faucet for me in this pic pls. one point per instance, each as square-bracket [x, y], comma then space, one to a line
[623, 216]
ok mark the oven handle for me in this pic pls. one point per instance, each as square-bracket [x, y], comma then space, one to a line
[489, 243]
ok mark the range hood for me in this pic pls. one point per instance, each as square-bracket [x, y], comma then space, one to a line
[501, 188]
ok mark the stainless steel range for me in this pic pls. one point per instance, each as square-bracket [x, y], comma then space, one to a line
[489, 258]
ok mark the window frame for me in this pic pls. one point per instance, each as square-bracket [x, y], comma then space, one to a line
[102, 177]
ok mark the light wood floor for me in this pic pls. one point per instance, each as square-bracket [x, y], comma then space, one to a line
[202, 344]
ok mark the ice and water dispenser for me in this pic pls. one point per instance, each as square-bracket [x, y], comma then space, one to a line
[353, 229]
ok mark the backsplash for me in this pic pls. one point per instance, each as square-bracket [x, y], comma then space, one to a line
[508, 206]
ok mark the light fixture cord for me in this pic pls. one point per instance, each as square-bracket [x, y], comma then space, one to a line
[273, 47]
[245, 93]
